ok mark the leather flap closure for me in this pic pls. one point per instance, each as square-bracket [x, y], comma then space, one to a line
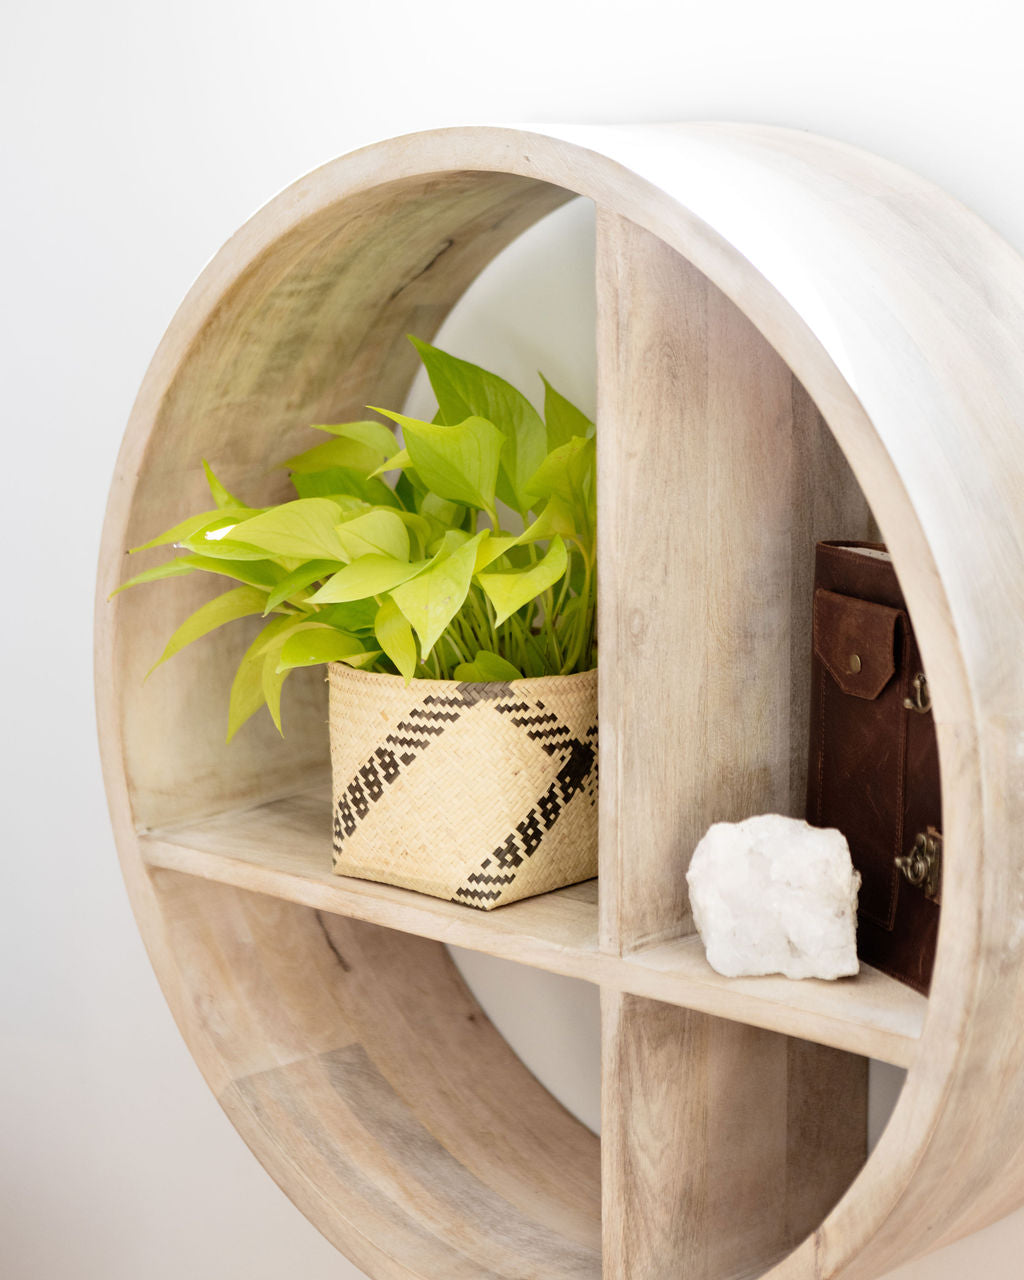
[856, 640]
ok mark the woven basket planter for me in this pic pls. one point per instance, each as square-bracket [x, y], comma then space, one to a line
[477, 793]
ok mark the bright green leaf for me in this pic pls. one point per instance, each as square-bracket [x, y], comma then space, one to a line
[272, 677]
[556, 517]
[397, 462]
[408, 489]
[268, 654]
[564, 420]
[568, 472]
[306, 644]
[315, 644]
[421, 531]
[449, 515]
[171, 569]
[448, 377]
[434, 597]
[295, 583]
[509, 591]
[344, 481]
[577, 576]
[256, 573]
[451, 540]
[240, 602]
[340, 453]
[367, 576]
[374, 435]
[352, 615]
[221, 497]
[366, 658]
[520, 556]
[395, 637]
[247, 694]
[570, 609]
[486, 668]
[505, 493]
[272, 681]
[460, 462]
[465, 390]
[180, 533]
[216, 543]
[301, 530]
[380, 532]
[492, 548]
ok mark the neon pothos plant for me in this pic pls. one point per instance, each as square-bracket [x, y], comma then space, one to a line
[465, 552]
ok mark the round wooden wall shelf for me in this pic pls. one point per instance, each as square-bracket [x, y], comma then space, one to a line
[754, 284]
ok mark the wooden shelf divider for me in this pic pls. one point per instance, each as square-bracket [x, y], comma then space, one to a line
[705, 570]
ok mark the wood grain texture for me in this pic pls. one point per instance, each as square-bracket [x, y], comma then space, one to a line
[901, 315]
[712, 1134]
[716, 478]
[708, 450]
[282, 849]
[355, 1057]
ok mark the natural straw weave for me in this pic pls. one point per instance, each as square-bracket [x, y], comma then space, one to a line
[478, 793]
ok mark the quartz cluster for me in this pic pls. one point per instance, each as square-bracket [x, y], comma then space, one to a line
[775, 895]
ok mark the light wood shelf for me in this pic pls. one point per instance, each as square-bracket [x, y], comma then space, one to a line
[795, 340]
[282, 849]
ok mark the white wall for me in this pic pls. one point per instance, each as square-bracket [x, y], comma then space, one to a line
[136, 137]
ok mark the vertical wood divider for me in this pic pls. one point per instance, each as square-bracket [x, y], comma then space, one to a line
[723, 1145]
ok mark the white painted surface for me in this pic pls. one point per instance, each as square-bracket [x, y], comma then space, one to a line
[148, 133]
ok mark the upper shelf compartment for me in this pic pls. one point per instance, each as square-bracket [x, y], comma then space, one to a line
[311, 331]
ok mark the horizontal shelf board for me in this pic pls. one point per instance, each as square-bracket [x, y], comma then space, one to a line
[871, 1014]
[283, 849]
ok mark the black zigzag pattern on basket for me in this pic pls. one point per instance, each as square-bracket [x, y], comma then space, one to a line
[578, 773]
[591, 783]
[541, 725]
[409, 738]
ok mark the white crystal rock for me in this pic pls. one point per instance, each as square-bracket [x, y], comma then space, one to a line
[775, 895]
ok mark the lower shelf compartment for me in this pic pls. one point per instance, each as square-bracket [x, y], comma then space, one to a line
[282, 849]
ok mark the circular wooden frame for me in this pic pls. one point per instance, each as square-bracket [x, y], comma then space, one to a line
[349, 1054]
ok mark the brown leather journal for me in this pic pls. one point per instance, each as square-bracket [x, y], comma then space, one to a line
[874, 766]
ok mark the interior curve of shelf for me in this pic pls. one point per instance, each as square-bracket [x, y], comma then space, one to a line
[300, 319]
[352, 1058]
